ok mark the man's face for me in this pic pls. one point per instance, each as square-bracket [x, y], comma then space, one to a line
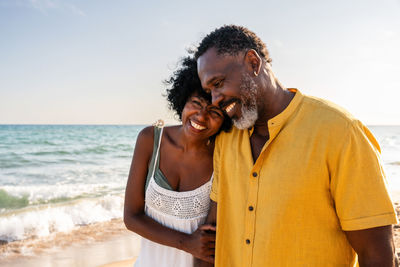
[231, 87]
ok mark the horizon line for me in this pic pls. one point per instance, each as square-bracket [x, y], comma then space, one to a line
[121, 124]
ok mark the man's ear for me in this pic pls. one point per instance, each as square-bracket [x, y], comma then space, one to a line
[253, 61]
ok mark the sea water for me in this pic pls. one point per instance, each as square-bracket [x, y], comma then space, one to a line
[58, 177]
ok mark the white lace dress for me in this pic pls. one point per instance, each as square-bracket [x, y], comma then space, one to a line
[182, 211]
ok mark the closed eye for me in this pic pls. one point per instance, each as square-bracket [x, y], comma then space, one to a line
[218, 84]
[215, 111]
[197, 103]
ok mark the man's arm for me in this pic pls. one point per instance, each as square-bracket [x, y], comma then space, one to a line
[374, 246]
[210, 221]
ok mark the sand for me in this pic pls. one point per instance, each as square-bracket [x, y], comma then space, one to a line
[124, 263]
[91, 245]
[106, 244]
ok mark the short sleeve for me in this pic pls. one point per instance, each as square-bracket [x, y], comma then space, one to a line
[216, 166]
[358, 182]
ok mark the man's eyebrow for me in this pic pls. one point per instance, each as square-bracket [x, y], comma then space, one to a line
[213, 79]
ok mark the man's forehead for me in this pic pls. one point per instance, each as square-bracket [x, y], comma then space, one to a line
[212, 64]
[209, 59]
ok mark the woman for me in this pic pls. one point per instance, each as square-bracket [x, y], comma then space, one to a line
[167, 194]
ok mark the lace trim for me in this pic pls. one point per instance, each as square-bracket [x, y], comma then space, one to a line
[203, 188]
[152, 210]
[183, 205]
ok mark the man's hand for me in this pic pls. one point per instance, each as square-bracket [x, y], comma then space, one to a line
[201, 243]
[211, 220]
[374, 246]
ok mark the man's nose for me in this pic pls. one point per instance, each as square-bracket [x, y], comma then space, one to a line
[216, 98]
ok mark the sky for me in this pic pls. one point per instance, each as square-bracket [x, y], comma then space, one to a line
[104, 62]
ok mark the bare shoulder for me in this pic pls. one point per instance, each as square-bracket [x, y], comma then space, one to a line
[146, 135]
[172, 128]
[147, 132]
[171, 133]
[144, 142]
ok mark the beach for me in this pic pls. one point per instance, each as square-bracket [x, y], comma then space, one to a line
[106, 244]
[62, 193]
[98, 244]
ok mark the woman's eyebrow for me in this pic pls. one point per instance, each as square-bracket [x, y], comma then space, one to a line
[198, 98]
[212, 107]
[201, 100]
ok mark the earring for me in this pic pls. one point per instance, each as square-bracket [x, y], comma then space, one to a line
[255, 73]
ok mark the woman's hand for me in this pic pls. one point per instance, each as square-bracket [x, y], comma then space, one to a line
[201, 243]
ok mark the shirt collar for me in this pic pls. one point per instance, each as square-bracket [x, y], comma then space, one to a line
[282, 117]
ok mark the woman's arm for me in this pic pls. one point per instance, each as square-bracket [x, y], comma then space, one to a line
[134, 217]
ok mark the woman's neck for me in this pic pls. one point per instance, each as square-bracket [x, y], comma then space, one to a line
[188, 143]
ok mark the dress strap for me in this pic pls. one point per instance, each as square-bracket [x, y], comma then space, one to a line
[158, 151]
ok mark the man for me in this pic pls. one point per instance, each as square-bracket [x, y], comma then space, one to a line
[298, 180]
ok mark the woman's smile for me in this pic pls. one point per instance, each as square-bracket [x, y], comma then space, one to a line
[197, 126]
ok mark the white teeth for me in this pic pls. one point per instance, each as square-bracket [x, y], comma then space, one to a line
[197, 126]
[230, 107]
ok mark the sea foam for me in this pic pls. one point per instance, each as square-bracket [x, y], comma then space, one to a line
[21, 196]
[43, 220]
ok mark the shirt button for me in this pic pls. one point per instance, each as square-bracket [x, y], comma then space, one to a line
[247, 241]
[254, 174]
[251, 208]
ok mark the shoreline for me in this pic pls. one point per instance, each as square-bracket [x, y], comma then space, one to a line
[96, 244]
[105, 244]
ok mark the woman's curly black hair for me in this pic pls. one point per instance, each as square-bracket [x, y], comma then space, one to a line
[183, 84]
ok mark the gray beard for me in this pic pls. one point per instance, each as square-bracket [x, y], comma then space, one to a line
[248, 89]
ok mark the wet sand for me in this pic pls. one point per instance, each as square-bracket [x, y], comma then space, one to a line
[124, 263]
[106, 244]
[92, 245]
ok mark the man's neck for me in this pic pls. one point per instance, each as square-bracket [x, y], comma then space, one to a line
[281, 99]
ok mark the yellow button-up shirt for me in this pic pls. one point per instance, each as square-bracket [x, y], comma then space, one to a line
[319, 174]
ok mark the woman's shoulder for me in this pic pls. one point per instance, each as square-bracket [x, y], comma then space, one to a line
[172, 128]
[144, 143]
[147, 132]
[171, 133]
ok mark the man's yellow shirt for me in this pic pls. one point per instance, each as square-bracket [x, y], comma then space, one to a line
[319, 174]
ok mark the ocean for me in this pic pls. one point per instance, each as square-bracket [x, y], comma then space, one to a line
[56, 178]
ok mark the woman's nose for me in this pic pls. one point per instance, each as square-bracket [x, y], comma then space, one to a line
[202, 114]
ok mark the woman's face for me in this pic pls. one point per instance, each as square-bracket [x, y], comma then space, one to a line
[200, 118]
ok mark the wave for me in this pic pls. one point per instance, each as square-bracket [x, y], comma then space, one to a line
[9, 164]
[8, 201]
[13, 160]
[98, 150]
[47, 219]
[17, 197]
[24, 163]
[36, 142]
[55, 153]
